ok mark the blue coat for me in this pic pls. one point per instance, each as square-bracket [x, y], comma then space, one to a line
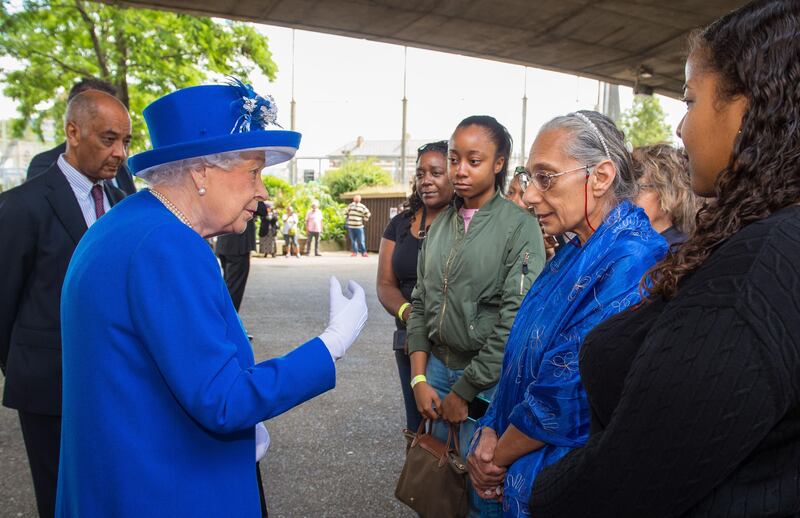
[160, 391]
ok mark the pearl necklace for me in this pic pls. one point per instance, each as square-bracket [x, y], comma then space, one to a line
[171, 207]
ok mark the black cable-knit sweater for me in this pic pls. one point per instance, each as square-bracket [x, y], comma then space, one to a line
[695, 402]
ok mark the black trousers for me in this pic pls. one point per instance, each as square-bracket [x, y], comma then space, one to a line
[235, 269]
[42, 436]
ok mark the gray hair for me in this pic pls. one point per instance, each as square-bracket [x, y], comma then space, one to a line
[173, 173]
[595, 138]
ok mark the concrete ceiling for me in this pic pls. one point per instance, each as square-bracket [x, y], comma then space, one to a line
[608, 40]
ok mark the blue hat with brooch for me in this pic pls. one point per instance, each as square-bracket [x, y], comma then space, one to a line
[203, 120]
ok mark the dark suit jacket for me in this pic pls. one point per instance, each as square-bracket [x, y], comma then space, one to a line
[42, 162]
[237, 244]
[40, 225]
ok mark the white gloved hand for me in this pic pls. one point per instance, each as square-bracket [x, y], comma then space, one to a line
[347, 318]
[262, 441]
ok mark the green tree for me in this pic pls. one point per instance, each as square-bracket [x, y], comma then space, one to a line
[143, 53]
[300, 197]
[280, 192]
[354, 174]
[332, 211]
[645, 122]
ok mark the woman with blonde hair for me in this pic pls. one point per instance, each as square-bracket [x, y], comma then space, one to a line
[665, 192]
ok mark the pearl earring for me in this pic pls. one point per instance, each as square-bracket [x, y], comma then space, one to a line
[201, 191]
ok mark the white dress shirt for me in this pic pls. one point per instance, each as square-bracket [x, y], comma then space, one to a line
[82, 187]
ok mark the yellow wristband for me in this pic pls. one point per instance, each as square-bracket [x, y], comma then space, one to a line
[418, 378]
[402, 308]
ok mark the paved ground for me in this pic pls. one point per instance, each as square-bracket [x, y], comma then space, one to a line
[337, 455]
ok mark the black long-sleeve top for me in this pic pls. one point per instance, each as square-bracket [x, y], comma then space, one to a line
[696, 401]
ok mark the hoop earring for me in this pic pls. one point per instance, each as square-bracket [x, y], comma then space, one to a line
[201, 191]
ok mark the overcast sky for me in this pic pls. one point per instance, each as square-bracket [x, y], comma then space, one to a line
[346, 87]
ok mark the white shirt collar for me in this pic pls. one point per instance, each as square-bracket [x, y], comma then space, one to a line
[80, 183]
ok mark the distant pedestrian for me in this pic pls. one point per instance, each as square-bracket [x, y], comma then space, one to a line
[356, 216]
[267, 230]
[289, 230]
[313, 228]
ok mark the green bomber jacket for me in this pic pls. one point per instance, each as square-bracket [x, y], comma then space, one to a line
[470, 286]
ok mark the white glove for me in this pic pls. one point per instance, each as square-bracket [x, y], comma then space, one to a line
[262, 441]
[347, 318]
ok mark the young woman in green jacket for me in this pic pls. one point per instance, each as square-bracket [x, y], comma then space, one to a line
[479, 259]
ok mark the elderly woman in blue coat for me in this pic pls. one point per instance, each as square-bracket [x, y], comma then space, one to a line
[162, 398]
[578, 179]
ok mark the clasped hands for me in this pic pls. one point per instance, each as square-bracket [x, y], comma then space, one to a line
[486, 476]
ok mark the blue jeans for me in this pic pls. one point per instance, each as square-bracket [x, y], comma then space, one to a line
[291, 245]
[357, 240]
[442, 380]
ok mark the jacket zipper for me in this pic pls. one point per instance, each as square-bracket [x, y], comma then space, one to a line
[444, 287]
[524, 271]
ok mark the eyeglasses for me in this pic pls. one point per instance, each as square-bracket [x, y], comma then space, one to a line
[647, 186]
[544, 181]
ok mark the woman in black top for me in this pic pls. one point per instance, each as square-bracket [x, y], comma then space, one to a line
[397, 259]
[695, 395]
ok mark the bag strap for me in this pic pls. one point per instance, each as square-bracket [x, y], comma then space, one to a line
[420, 430]
[422, 230]
[454, 428]
[447, 449]
[452, 438]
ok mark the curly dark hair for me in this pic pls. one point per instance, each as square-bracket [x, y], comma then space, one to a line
[414, 201]
[755, 51]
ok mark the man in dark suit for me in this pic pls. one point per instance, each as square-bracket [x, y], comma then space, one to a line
[233, 251]
[42, 162]
[41, 222]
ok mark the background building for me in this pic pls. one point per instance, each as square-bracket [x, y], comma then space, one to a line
[15, 155]
[385, 152]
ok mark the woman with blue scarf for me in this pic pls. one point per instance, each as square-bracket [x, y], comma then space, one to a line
[579, 180]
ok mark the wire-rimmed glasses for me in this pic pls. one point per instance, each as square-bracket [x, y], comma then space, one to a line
[541, 180]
